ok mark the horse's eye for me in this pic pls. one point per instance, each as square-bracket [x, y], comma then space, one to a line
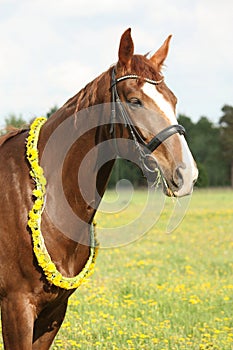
[135, 102]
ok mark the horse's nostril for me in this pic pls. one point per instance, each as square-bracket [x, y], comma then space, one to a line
[178, 177]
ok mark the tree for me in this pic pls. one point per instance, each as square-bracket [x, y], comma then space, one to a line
[124, 169]
[51, 111]
[189, 127]
[12, 121]
[203, 138]
[15, 122]
[226, 124]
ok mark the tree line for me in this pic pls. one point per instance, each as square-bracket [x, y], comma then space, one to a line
[211, 145]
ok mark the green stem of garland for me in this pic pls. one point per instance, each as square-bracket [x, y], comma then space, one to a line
[34, 222]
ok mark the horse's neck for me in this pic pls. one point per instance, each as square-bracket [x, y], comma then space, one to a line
[75, 186]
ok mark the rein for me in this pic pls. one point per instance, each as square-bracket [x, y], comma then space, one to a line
[116, 102]
[44, 260]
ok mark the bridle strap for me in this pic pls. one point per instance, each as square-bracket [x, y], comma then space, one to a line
[156, 141]
[134, 76]
[165, 134]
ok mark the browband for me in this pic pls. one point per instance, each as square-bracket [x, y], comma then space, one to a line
[134, 76]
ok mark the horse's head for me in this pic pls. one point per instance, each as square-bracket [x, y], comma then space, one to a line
[150, 105]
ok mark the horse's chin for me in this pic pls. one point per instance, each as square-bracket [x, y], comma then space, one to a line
[169, 192]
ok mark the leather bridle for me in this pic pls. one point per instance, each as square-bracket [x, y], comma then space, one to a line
[123, 114]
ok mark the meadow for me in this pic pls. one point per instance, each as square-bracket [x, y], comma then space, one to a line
[163, 291]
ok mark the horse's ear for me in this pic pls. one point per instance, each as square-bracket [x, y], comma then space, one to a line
[126, 48]
[161, 54]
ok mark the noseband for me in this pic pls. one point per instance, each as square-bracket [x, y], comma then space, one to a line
[116, 102]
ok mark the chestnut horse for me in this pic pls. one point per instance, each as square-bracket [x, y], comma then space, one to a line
[143, 110]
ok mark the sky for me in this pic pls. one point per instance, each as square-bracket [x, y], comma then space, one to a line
[50, 49]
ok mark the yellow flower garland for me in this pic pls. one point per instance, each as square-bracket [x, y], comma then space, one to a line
[34, 222]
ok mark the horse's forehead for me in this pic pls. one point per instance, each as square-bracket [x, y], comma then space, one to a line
[161, 102]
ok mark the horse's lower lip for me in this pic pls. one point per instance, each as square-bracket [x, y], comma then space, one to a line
[183, 193]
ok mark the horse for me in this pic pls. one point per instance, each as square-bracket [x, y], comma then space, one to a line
[141, 109]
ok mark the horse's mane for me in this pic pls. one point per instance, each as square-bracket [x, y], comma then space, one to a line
[87, 95]
[140, 65]
[12, 132]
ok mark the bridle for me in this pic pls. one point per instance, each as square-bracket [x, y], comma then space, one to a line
[119, 110]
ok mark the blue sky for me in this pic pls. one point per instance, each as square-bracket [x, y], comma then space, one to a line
[50, 49]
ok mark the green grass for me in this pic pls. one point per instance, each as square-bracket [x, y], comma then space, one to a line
[164, 291]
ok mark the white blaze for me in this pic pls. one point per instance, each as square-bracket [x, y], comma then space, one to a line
[190, 172]
[151, 91]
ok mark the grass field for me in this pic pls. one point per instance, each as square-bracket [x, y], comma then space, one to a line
[164, 291]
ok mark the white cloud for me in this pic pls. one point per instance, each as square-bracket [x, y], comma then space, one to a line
[72, 8]
[67, 78]
[49, 49]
